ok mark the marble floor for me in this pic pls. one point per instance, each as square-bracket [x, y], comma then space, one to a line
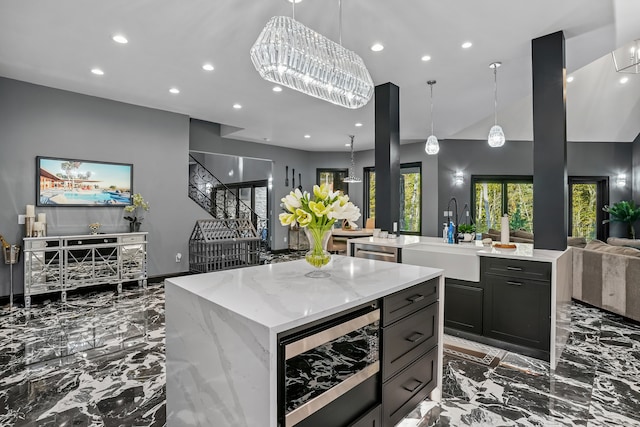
[99, 360]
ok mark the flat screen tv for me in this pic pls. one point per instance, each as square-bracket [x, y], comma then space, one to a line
[73, 182]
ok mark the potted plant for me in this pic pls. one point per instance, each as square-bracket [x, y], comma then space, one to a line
[135, 212]
[467, 231]
[623, 211]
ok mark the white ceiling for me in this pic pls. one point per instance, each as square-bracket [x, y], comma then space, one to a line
[56, 43]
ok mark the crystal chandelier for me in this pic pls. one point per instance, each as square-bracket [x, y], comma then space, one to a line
[431, 147]
[627, 58]
[290, 54]
[496, 135]
[352, 178]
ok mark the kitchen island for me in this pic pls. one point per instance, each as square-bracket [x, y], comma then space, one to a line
[515, 299]
[224, 333]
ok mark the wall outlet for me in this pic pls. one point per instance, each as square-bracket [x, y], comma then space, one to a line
[21, 219]
[285, 239]
[178, 257]
[448, 213]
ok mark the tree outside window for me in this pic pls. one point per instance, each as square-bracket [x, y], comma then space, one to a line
[410, 195]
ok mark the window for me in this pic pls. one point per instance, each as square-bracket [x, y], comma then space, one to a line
[410, 197]
[333, 178]
[587, 196]
[494, 196]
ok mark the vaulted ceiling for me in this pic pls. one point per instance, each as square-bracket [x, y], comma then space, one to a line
[57, 43]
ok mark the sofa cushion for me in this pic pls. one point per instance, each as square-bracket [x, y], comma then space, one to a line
[619, 241]
[523, 234]
[579, 242]
[599, 246]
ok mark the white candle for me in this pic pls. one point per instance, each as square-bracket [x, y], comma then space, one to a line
[42, 217]
[31, 211]
[37, 226]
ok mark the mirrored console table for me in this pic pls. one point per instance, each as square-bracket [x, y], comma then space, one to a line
[63, 263]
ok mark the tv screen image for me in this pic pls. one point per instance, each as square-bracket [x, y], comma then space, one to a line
[73, 182]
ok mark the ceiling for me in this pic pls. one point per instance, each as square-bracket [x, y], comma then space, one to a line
[57, 43]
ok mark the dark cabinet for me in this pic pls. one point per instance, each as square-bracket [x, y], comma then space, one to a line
[371, 419]
[463, 305]
[409, 349]
[517, 302]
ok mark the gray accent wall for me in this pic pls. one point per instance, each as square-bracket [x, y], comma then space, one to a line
[474, 157]
[41, 121]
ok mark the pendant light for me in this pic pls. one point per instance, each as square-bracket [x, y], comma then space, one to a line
[432, 147]
[292, 55]
[352, 178]
[496, 135]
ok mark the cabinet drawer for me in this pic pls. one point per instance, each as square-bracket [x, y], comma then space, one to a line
[131, 239]
[408, 339]
[403, 303]
[518, 268]
[402, 393]
[371, 419]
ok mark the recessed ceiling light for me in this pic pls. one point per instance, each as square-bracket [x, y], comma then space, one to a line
[624, 80]
[377, 47]
[426, 58]
[294, 1]
[237, 106]
[358, 125]
[97, 71]
[174, 90]
[569, 79]
[119, 38]
[307, 136]
[467, 45]
[277, 89]
[207, 67]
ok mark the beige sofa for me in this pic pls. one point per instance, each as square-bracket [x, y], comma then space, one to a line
[607, 275]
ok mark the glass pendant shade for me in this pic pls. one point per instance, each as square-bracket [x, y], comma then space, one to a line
[496, 136]
[292, 55]
[432, 147]
[352, 178]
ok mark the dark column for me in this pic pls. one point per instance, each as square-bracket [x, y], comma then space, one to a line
[387, 151]
[550, 217]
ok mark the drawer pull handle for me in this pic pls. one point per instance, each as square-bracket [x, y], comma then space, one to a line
[415, 337]
[415, 298]
[509, 282]
[413, 386]
[514, 268]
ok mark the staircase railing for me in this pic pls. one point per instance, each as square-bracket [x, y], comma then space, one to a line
[220, 201]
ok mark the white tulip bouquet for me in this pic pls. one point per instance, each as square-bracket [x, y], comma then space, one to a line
[316, 215]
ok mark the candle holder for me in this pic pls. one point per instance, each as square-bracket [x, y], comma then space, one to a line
[28, 225]
[11, 257]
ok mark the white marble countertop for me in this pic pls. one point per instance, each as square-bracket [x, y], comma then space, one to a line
[431, 244]
[280, 297]
[523, 251]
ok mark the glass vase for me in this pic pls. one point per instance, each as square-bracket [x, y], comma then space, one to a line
[318, 256]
